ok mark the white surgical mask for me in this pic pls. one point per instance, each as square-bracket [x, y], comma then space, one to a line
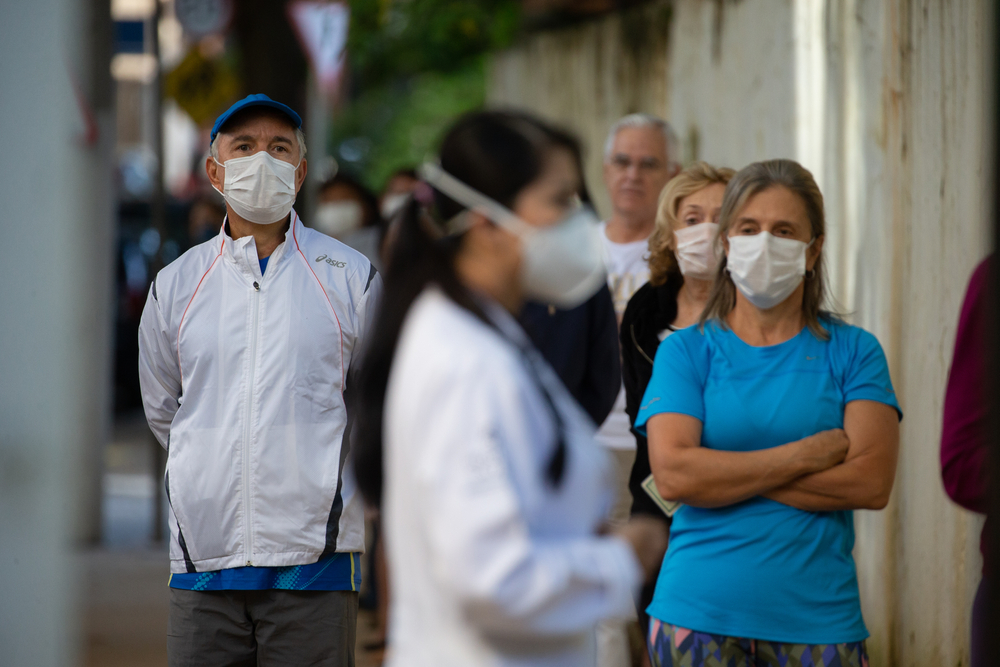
[338, 218]
[392, 203]
[260, 188]
[563, 263]
[766, 268]
[696, 252]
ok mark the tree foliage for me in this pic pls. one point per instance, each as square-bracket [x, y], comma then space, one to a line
[414, 66]
[399, 124]
[397, 38]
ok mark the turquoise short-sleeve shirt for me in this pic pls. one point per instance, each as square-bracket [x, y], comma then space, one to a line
[760, 569]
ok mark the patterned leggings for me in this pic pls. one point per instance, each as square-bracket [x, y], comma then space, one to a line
[671, 646]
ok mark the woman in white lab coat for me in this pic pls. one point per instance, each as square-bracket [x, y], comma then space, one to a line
[492, 489]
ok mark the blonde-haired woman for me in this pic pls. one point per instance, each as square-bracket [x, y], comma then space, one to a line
[771, 422]
[682, 266]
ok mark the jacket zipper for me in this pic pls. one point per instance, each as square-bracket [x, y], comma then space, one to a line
[248, 537]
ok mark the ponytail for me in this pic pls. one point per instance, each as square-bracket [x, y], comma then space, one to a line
[416, 260]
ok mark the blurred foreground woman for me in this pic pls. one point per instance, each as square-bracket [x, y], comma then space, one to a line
[494, 489]
[770, 421]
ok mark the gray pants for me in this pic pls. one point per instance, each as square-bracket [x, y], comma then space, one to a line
[261, 628]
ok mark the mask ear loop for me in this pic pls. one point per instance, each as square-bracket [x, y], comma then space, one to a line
[475, 201]
[811, 273]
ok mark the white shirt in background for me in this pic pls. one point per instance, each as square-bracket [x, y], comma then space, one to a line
[628, 270]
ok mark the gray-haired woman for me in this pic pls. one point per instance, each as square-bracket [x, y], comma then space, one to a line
[771, 422]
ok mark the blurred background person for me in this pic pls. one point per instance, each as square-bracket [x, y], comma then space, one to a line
[770, 421]
[349, 212]
[398, 187]
[581, 344]
[204, 219]
[243, 384]
[494, 490]
[683, 261]
[964, 451]
[640, 157]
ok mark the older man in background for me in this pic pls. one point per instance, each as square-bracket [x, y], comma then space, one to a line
[640, 156]
[245, 348]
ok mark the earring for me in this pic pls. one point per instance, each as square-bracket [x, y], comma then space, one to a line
[811, 273]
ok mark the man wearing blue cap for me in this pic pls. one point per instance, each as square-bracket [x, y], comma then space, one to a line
[245, 350]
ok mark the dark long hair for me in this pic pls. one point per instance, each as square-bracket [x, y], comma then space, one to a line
[497, 153]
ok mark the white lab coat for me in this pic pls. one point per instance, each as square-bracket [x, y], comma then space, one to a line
[491, 565]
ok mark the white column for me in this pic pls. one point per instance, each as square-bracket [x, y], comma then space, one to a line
[54, 268]
[317, 127]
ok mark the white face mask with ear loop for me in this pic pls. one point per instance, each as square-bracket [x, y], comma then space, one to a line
[696, 251]
[338, 218]
[260, 188]
[765, 268]
[563, 263]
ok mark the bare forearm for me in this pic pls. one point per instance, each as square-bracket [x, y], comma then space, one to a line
[854, 484]
[703, 477]
[864, 480]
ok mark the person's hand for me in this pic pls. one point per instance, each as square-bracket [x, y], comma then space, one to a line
[648, 538]
[824, 449]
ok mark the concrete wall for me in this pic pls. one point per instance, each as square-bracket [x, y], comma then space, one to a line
[589, 76]
[885, 100]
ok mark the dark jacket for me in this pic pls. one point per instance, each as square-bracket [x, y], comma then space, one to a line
[649, 311]
[581, 345]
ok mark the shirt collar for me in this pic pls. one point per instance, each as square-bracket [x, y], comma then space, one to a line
[243, 251]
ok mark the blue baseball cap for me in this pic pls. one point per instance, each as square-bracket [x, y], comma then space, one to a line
[258, 100]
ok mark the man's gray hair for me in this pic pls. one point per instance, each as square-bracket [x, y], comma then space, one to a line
[300, 138]
[670, 142]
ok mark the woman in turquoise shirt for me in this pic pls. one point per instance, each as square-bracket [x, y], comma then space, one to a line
[770, 421]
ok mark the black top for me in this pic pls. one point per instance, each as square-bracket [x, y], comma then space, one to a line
[581, 345]
[649, 311]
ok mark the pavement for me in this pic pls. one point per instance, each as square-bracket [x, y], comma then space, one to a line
[125, 595]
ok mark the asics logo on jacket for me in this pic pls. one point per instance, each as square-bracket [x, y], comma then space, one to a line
[332, 262]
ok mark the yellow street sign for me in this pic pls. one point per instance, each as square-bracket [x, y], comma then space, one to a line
[204, 88]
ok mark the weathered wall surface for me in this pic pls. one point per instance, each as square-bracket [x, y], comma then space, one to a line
[885, 100]
[588, 77]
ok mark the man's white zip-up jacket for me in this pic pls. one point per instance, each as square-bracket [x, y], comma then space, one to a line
[243, 378]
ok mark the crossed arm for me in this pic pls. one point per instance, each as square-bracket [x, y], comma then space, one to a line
[853, 468]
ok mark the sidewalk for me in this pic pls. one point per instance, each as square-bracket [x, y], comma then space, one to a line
[125, 610]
